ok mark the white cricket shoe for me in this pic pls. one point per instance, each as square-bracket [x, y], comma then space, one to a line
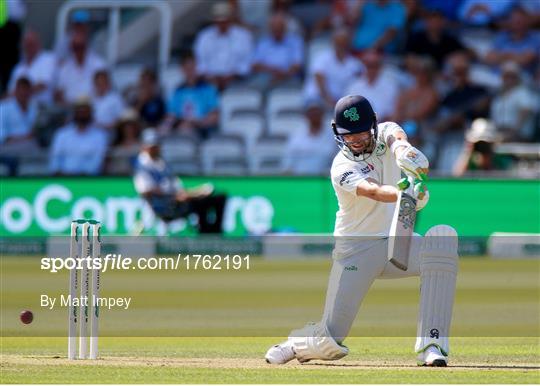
[432, 356]
[280, 353]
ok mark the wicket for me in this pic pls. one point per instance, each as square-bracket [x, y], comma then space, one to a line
[79, 316]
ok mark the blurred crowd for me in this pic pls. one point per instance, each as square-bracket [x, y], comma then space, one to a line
[459, 76]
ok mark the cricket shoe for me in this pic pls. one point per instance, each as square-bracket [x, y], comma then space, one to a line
[280, 353]
[433, 357]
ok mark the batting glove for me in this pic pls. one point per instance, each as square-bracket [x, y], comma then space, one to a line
[413, 162]
[419, 191]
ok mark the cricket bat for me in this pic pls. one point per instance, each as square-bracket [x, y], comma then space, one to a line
[402, 227]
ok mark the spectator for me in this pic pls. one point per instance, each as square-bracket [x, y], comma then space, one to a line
[255, 15]
[533, 11]
[165, 194]
[463, 103]
[279, 55]
[448, 8]
[341, 14]
[434, 40]
[223, 50]
[79, 23]
[419, 103]
[378, 25]
[377, 85]
[128, 130]
[311, 152]
[12, 15]
[194, 105]
[148, 100]
[107, 104]
[17, 118]
[76, 74]
[478, 152]
[36, 65]
[80, 146]
[332, 71]
[252, 14]
[514, 106]
[483, 12]
[517, 43]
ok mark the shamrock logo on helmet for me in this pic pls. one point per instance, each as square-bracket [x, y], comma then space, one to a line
[352, 114]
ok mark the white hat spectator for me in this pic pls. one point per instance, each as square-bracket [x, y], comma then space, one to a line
[150, 137]
[482, 130]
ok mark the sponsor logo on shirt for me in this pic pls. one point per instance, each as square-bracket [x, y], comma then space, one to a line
[344, 177]
[367, 169]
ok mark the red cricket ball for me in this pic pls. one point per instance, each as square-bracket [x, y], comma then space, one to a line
[26, 316]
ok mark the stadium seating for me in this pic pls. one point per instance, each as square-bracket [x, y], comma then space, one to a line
[247, 125]
[35, 164]
[284, 123]
[126, 75]
[180, 153]
[223, 156]
[283, 99]
[268, 157]
[235, 99]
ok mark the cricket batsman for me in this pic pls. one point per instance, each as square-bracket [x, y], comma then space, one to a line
[364, 176]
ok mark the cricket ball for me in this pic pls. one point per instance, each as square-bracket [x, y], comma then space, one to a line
[26, 316]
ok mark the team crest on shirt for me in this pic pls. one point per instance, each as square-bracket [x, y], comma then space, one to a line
[380, 149]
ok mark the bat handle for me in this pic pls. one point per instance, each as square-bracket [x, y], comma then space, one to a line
[403, 184]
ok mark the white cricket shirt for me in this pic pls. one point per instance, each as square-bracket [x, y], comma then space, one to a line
[358, 215]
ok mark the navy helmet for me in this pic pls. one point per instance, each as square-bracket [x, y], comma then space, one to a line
[353, 114]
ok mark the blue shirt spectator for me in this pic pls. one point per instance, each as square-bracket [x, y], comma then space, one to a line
[279, 55]
[483, 12]
[379, 23]
[195, 103]
[79, 147]
[18, 114]
[517, 44]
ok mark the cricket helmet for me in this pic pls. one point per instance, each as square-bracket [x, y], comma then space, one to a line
[353, 114]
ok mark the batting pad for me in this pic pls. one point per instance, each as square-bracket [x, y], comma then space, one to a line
[313, 341]
[438, 272]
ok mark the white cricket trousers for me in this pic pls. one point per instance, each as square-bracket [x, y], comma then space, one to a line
[357, 263]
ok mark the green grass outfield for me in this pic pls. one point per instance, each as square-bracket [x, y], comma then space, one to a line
[210, 327]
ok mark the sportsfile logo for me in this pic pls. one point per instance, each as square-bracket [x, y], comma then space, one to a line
[344, 177]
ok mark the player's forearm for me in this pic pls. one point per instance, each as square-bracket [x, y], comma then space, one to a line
[396, 140]
[374, 191]
[386, 193]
